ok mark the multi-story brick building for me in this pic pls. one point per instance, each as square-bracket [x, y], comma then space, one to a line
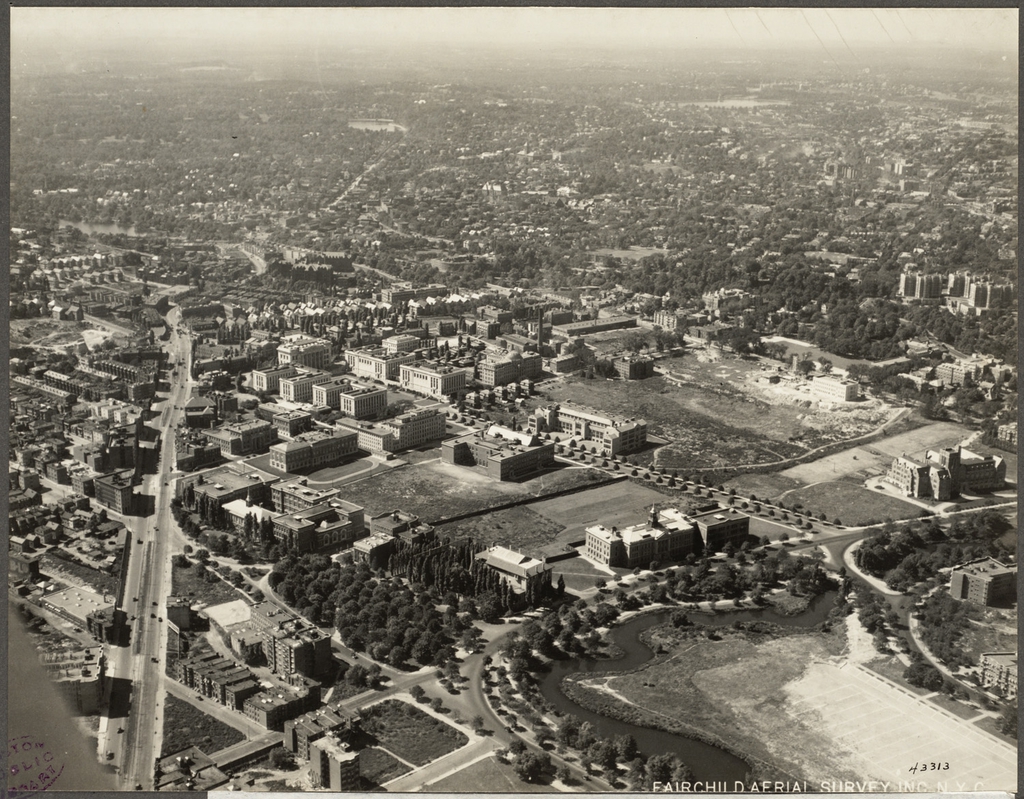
[375, 363]
[317, 449]
[300, 733]
[217, 678]
[515, 568]
[440, 382]
[612, 434]
[945, 473]
[115, 491]
[720, 527]
[667, 535]
[273, 707]
[835, 390]
[299, 387]
[504, 454]
[291, 423]
[296, 495]
[269, 380]
[303, 351]
[634, 368]
[401, 291]
[999, 673]
[985, 581]
[402, 432]
[510, 369]
[291, 644]
[352, 399]
[334, 524]
[243, 438]
[333, 764]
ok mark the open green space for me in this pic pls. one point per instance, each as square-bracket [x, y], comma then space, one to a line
[619, 504]
[435, 491]
[186, 725]
[693, 691]
[490, 775]
[710, 423]
[853, 505]
[102, 582]
[519, 528]
[377, 766]
[189, 582]
[410, 733]
[994, 630]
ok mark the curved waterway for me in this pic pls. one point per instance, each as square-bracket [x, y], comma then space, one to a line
[707, 762]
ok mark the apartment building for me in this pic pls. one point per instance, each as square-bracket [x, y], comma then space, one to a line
[634, 367]
[999, 673]
[333, 764]
[291, 644]
[985, 581]
[115, 491]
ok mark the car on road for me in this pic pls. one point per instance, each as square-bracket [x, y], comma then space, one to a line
[138, 541]
[135, 599]
[154, 604]
[159, 618]
[152, 615]
[155, 660]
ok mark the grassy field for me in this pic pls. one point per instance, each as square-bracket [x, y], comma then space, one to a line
[490, 775]
[517, 527]
[852, 504]
[377, 766]
[410, 733]
[693, 417]
[439, 490]
[620, 504]
[186, 582]
[695, 690]
[100, 581]
[185, 725]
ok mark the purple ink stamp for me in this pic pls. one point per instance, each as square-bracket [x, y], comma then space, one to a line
[31, 767]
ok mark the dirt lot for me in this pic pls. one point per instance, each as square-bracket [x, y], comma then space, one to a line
[853, 505]
[436, 490]
[520, 528]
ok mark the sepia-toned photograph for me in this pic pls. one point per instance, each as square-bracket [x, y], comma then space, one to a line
[513, 400]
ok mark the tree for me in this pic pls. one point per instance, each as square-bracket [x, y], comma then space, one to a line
[281, 758]
[478, 722]
[417, 692]
[531, 766]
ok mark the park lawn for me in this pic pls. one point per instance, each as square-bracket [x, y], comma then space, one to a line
[951, 705]
[186, 725]
[410, 733]
[730, 690]
[853, 505]
[489, 775]
[893, 669]
[186, 583]
[377, 766]
[436, 491]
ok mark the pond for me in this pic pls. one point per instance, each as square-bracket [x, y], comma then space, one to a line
[706, 761]
[91, 229]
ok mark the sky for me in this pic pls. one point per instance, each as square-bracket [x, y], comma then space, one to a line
[533, 29]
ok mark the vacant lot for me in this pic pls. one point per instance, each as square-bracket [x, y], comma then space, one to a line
[56, 566]
[188, 583]
[410, 733]
[520, 528]
[620, 504]
[438, 490]
[853, 505]
[994, 631]
[490, 775]
[186, 725]
[377, 766]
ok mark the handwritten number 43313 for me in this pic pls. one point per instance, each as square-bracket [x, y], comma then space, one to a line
[928, 767]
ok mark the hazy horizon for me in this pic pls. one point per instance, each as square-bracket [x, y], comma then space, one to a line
[65, 34]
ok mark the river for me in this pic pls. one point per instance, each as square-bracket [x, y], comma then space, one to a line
[706, 761]
[91, 229]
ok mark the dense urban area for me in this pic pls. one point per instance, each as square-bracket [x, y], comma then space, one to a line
[567, 426]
